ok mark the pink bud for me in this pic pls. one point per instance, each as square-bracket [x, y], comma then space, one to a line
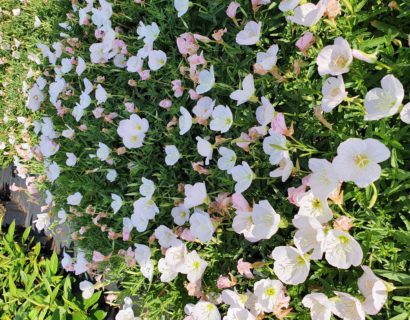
[97, 112]
[223, 282]
[295, 193]
[305, 42]
[165, 103]
[231, 10]
[193, 95]
[98, 256]
[360, 55]
[343, 223]
[244, 268]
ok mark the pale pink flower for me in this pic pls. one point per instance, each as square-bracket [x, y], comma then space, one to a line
[231, 10]
[129, 106]
[187, 235]
[97, 112]
[193, 95]
[305, 42]
[165, 103]
[177, 88]
[187, 44]
[278, 125]
[244, 268]
[223, 282]
[295, 193]
[240, 203]
[343, 223]
[244, 141]
[144, 74]
[98, 257]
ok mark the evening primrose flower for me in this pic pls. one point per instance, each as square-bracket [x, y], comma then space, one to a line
[291, 265]
[103, 151]
[357, 160]
[373, 289]
[385, 101]
[247, 93]
[243, 176]
[335, 59]
[239, 314]
[201, 226]
[100, 94]
[145, 209]
[205, 149]
[35, 98]
[319, 305]
[222, 119]
[111, 175]
[203, 108]
[405, 113]
[333, 92]
[308, 14]
[285, 169]
[267, 60]
[167, 273]
[206, 80]
[267, 293]
[156, 59]
[265, 219]
[147, 188]
[116, 203]
[184, 121]
[310, 236]
[288, 5]
[132, 131]
[313, 206]
[195, 195]
[172, 155]
[265, 112]
[149, 33]
[180, 214]
[74, 199]
[250, 34]
[166, 237]
[71, 159]
[347, 307]
[274, 145]
[324, 179]
[87, 289]
[204, 310]
[175, 257]
[193, 266]
[181, 6]
[342, 250]
[42, 222]
[234, 299]
[227, 160]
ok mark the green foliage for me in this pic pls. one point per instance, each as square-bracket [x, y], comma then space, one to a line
[34, 287]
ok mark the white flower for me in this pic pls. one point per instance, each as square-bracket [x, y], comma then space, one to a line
[204, 310]
[103, 151]
[250, 34]
[266, 220]
[333, 92]
[116, 203]
[142, 253]
[243, 224]
[181, 6]
[111, 175]
[204, 107]
[148, 32]
[175, 257]
[308, 14]
[53, 172]
[310, 236]
[48, 147]
[284, 170]
[201, 226]
[194, 266]
[405, 113]
[206, 80]
[100, 94]
[239, 314]
[66, 65]
[156, 59]
[195, 195]
[37, 22]
[81, 66]
[172, 155]
[184, 121]
[287, 5]
[147, 188]
[342, 250]
[324, 179]
[313, 206]
[167, 273]
[62, 216]
[205, 149]
[145, 209]
[335, 59]
[147, 269]
[357, 160]
[132, 131]
[81, 264]
[274, 145]
[71, 159]
[35, 98]
[265, 113]
[87, 289]
[373, 289]
[267, 292]
[347, 307]
[42, 221]
[291, 265]
[180, 214]
[227, 160]
[134, 63]
[222, 119]
[234, 299]
[166, 237]
[74, 199]
[67, 262]
[126, 314]
[247, 93]
[385, 101]
[319, 305]
[243, 176]
[267, 60]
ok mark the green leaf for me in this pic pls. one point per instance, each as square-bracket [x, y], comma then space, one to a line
[100, 314]
[25, 235]
[79, 315]
[402, 316]
[10, 233]
[53, 263]
[94, 298]
[401, 299]
[394, 276]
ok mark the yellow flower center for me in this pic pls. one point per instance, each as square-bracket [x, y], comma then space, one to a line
[335, 92]
[340, 61]
[210, 307]
[270, 292]
[134, 138]
[316, 203]
[196, 265]
[344, 239]
[361, 160]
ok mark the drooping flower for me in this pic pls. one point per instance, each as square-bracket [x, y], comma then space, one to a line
[308, 14]
[172, 155]
[335, 59]
[373, 289]
[306, 41]
[357, 160]
[116, 203]
[222, 119]
[342, 250]
[201, 226]
[206, 80]
[333, 92]
[274, 145]
[205, 149]
[231, 10]
[291, 265]
[184, 121]
[319, 305]
[247, 93]
[385, 101]
[87, 289]
[265, 112]
[227, 160]
[310, 236]
[181, 6]
[243, 176]
[250, 34]
[285, 169]
[347, 307]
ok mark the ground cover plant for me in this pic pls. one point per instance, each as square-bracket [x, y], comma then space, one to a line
[227, 160]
